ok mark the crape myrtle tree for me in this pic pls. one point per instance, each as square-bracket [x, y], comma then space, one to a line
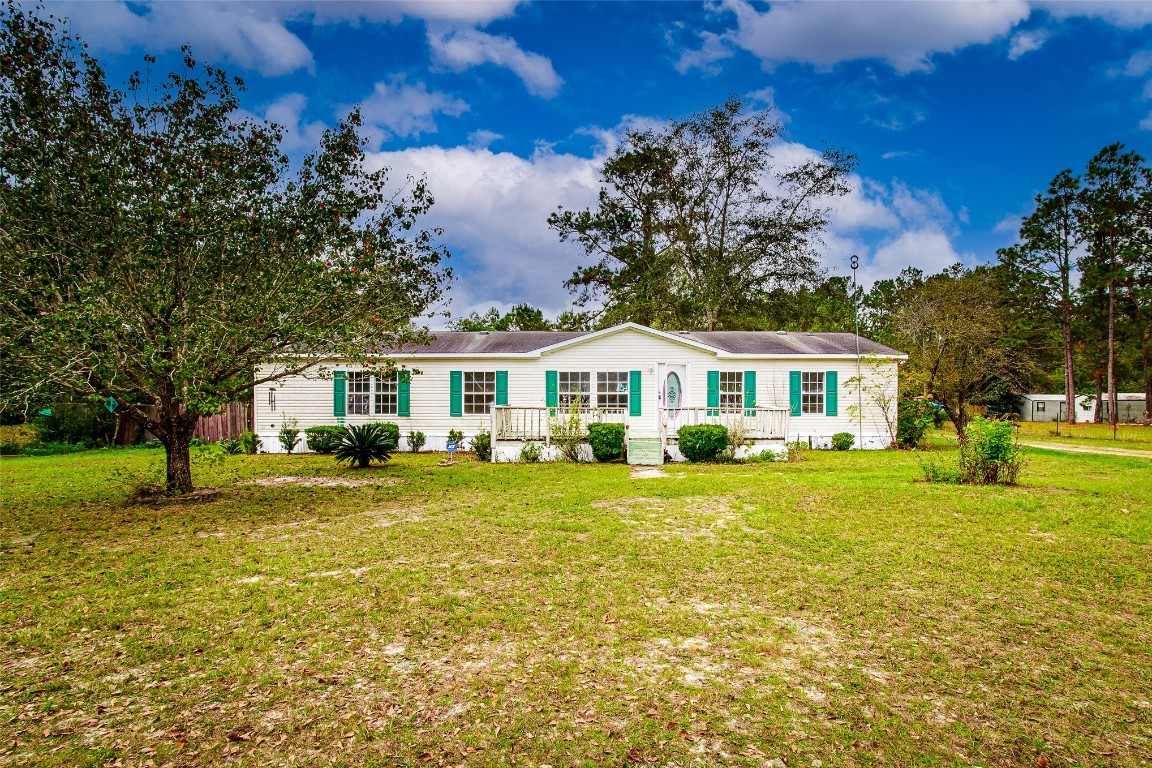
[952, 325]
[697, 218]
[156, 247]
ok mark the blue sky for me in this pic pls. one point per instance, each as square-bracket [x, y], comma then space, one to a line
[960, 112]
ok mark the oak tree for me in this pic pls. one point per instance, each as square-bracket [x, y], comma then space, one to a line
[156, 247]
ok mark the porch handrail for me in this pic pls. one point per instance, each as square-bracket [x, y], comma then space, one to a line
[757, 423]
[514, 422]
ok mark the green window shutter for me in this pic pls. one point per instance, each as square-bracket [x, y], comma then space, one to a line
[794, 391]
[634, 402]
[551, 389]
[404, 393]
[831, 394]
[456, 393]
[750, 391]
[339, 404]
[501, 387]
[714, 392]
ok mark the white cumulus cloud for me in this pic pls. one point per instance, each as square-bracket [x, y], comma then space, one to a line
[458, 49]
[397, 108]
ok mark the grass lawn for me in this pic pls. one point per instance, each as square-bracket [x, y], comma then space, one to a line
[1127, 436]
[833, 610]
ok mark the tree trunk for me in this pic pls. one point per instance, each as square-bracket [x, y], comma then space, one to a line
[1069, 379]
[1112, 351]
[179, 458]
[1098, 412]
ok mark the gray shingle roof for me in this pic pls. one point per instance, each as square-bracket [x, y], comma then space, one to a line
[733, 342]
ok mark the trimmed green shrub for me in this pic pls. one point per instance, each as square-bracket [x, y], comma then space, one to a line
[703, 442]
[391, 433]
[322, 439]
[842, 441]
[913, 417]
[361, 445]
[607, 441]
[482, 445]
[416, 441]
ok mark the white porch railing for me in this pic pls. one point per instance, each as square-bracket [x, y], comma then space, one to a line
[757, 423]
[534, 423]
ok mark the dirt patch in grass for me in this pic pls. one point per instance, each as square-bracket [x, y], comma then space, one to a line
[321, 482]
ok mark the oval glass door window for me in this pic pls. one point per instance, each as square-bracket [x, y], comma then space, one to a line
[672, 393]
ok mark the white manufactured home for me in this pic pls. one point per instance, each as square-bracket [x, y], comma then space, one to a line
[775, 386]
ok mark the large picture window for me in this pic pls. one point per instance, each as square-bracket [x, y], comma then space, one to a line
[612, 390]
[479, 392]
[731, 390]
[812, 392]
[574, 387]
[359, 393]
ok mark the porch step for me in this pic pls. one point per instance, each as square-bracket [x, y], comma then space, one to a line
[645, 450]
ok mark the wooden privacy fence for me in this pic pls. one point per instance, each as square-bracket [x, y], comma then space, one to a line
[235, 420]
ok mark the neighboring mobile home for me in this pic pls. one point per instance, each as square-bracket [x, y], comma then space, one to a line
[776, 386]
[1049, 407]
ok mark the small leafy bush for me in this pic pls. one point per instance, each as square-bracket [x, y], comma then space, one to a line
[766, 456]
[531, 453]
[322, 439]
[289, 434]
[231, 445]
[842, 441]
[607, 441]
[363, 444]
[798, 450]
[456, 436]
[197, 442]
[913, 417]
[482, 445]
[10, 448]
[416, 441]
[567, 431]
[251, 442]
[703, 442]
[990, 455]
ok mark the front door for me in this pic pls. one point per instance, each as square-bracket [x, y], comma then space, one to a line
[672, 385]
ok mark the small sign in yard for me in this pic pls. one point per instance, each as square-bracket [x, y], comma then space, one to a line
[451, 446]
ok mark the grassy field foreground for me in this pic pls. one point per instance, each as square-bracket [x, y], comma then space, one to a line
[830, 612]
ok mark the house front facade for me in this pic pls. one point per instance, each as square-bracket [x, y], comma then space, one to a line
[772, 386]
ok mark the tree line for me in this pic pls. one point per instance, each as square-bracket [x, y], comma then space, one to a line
[698, 227]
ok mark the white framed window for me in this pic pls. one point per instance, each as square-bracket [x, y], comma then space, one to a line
[359, 393]
[731, 390]
[812, 392]
[612, 390]
[386, 396]
[574, 387]
[479, 392]
[1041, 407]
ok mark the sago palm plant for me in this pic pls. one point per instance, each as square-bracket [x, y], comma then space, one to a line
[361, 445]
